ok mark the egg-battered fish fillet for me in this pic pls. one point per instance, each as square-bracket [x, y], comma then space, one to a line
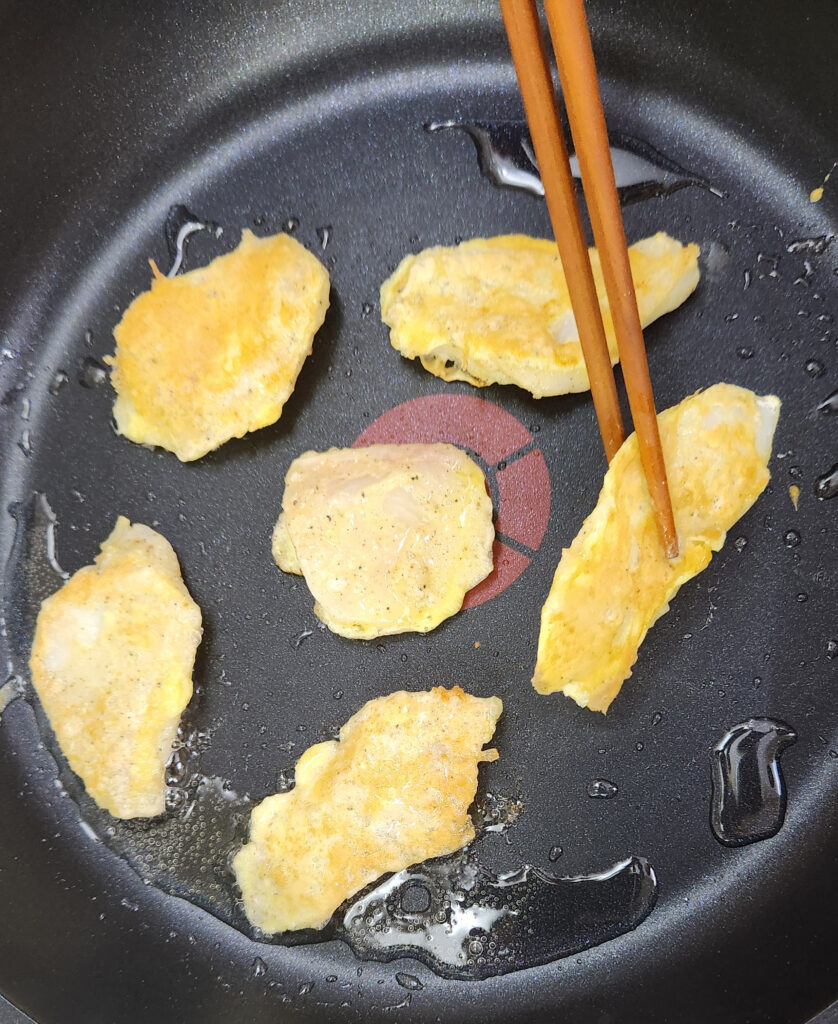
[389, 538]
[614, 581]
[215, 353]
[393, 791]
[497, 310]
[112, 664]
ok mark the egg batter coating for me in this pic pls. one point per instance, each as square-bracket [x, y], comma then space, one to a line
[614, 581]
[389, 538]
[393, 791]
[215, 353]
[497, 310]
[112, 664]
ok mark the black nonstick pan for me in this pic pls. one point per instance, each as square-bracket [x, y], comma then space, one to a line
[310, 115]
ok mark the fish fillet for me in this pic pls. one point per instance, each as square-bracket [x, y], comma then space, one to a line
[112, 665]
[215, 353]
[614, 581]
[393, 791]
[497, 310]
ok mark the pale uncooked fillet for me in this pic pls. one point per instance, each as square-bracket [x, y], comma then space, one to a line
[497, 310]
[614, 580]
[215, 353]
[112, 665]
[389, 538]
[393, 791]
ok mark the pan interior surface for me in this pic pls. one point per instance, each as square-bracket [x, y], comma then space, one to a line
[290, 120]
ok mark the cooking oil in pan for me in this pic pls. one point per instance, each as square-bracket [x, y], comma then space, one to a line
[830, 403]
[451, 913]
[465, 922]
[826, 486]
[92, 373]
[505, 156]
[13, 687]
[180, 225]
[32, 574]
[749, 796]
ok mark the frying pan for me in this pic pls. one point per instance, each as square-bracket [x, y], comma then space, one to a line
[251, 114]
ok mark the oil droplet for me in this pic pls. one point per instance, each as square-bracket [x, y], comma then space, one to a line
[92, 373]
[301, 637]
[11, 689]
[749, 797]
[802, 598]
[305, 988]
[830, 403]
[260, 968]
[745, 352]
[338, 694]
[179, 226]
[409, 981]
[815, 368]
[554, 854]
[826, 486]
[657, 718]
[638, 746]
[59, 379]
[476, 924]
[791, 538]
[290, 225]
[324, 235]
[794, 495]
[816, 194]
[601, 789]
[740, 543]
[367, 308]
[832, 648]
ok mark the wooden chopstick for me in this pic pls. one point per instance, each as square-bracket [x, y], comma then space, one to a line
[577, 73]
[530, 58]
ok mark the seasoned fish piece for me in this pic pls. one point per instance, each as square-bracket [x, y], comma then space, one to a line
[389, 538]
[393, 791]
[497, 310]
[215, 353]
[614, 581]
[112, 664]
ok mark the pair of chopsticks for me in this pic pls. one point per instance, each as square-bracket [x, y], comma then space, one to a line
[577, 73]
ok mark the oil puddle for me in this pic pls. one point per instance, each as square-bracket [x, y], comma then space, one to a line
[749, 796]
[506, 157]
[32, 573]
[179, 227]
[467, 923]
[452, 914]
